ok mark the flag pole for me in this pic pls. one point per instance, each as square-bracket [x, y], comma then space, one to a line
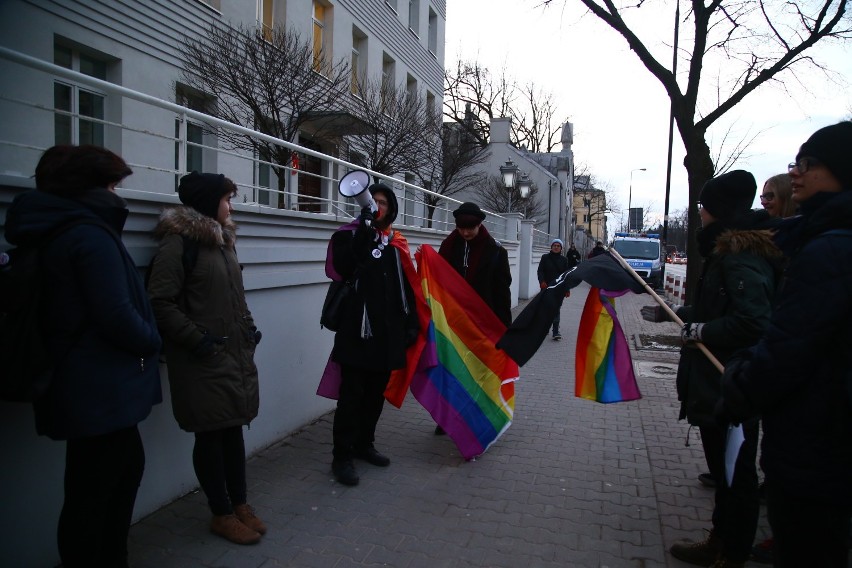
[666, 307]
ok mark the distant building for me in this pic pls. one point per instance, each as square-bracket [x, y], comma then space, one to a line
[590, 213]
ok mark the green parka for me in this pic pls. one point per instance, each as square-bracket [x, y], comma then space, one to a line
[219, 390]
[734, 302]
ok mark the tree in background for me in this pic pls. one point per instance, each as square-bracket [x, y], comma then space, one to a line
[267, 80]
[473, 96]
[753, 41]
[493, 196]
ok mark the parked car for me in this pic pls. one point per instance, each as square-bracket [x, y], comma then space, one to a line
[679, 258]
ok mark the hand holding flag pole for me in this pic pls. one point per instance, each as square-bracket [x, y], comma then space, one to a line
[665, 306]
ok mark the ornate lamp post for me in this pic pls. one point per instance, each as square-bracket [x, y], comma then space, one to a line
[509, 173]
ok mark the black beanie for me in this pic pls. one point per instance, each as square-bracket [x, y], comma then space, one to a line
[468, 215]
[729, 195]
[203, 192]
[832, 147]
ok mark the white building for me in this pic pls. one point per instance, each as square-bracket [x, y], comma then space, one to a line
[134, 44]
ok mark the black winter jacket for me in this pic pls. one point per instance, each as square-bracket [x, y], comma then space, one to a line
[98, 322]
[380, 319]
[551, 265]
[799, 377]
[734, 302]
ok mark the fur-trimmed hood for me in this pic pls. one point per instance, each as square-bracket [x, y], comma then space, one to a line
[756, 241]
[186, 221]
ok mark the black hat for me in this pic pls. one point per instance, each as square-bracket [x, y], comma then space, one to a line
[832, 147]
[729, 195]
[393, 206]
[468, 215]
[203, 192]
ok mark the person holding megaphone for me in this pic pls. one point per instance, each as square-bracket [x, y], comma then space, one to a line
[379, 322]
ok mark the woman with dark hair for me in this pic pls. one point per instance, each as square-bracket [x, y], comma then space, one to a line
[210, 340]
[102, 335]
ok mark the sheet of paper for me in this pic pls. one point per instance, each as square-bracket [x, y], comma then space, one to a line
[733, 443]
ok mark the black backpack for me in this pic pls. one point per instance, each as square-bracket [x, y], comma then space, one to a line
[27, 365]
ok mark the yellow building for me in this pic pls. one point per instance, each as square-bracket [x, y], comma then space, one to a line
[590, 210]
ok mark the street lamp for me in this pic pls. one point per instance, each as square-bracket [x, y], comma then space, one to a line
[630, 198]
[509, 171]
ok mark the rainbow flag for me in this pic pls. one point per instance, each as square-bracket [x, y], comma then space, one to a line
[463, 380]
[603, 368]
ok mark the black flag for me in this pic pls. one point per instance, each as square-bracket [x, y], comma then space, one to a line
[527, 332]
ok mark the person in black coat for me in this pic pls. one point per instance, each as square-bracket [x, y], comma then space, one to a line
[598, 249]
[480, 260]
[379, 322]
[101, 333]
[551, 265]
[798, 378]
[573, 256]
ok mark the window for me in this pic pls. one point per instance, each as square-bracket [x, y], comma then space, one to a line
[408, 201]
[411, 86]
[388, 79]
[264, 18]
[80, 103]
[392, 4]
[359, 59]
[414, 16]
[189, 156]
[318, 39]
[432, 110]
[433, 32]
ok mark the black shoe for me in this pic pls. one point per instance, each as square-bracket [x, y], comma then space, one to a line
[557, 336]
[344, 472]
[707, 480]
[439, 431]
[371, 455]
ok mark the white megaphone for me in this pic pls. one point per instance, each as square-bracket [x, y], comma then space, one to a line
[354, 185]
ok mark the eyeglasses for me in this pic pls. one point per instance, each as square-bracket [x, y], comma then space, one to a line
[803, 164]
[768, 196]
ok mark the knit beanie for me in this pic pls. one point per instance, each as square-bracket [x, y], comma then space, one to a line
[468, 215]
[729, 195]
[832, 147]
[203, 192]
[557, 241]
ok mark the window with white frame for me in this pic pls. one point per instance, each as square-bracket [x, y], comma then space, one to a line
[359, 59]
[388, 79]
[82, 107]
[414, 16]
[433, 32]
[318, 35]
[189, 134]
[264, 18]
[411, 86]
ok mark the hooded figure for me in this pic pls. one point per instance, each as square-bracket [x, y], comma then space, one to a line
[379, 321]
[210, 340]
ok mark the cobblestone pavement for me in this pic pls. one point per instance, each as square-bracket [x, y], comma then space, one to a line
[571, 483]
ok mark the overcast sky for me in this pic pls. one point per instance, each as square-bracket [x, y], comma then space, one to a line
[619, 111]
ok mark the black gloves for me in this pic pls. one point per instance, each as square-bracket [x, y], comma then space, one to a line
[734, 407]
[254, 335]
[367, 217]
[209, 346]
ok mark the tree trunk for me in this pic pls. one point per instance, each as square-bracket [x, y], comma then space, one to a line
[699, 166]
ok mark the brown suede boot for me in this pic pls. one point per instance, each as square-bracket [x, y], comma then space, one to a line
[230, 528]
[245, 513]
[704, 553]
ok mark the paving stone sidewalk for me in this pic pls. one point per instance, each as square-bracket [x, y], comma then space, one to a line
[571, 483]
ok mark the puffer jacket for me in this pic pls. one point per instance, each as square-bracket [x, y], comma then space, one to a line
[220, 390]
[799, 377]
[734, 302]
[98, 323]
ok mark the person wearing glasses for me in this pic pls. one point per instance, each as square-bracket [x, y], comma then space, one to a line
[777, 195]
[798, 377]
[730, 311]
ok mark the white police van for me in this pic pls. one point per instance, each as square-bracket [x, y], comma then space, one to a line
[643, 252]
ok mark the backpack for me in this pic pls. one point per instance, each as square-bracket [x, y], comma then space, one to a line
[27, 367]
[189, 258]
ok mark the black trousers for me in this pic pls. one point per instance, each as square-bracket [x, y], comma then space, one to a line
[219, 459]
[359, 407]
[102, 475]
[806, 532]
[737, 507]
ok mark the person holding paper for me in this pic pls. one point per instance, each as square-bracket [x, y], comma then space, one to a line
[730, 311]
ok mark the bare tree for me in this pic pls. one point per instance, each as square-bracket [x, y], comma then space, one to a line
[401, 128]
[452, 167]
[757, 41]
[271, 81]
[470, 89]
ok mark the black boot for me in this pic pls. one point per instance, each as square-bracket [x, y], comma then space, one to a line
[344, 472]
